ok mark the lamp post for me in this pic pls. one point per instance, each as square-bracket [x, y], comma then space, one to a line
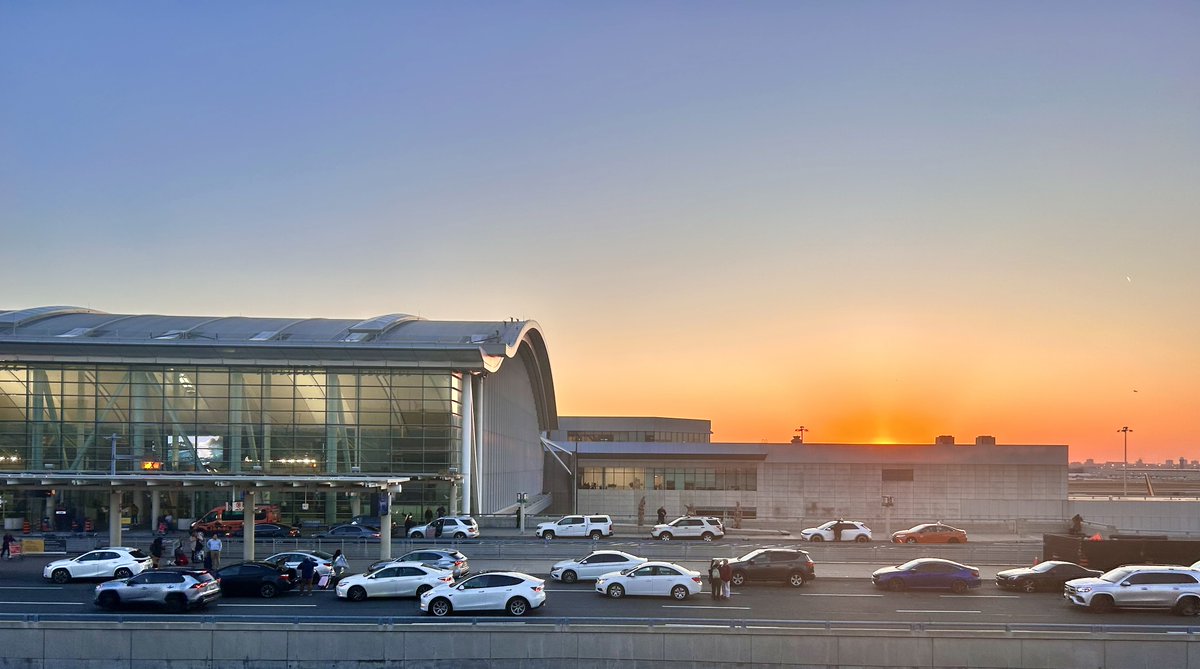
[1125, 467]
[799, 438]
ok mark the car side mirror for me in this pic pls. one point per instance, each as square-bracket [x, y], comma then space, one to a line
[461, 587]
[1125, 584]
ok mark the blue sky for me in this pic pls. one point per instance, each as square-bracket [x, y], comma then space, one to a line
[882, 199]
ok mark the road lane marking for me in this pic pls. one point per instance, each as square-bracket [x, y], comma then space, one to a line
[49, 603]
[31, 587]
[290, 606]
[933, 611]
[834, 594]
[701, 606]
[980, 596]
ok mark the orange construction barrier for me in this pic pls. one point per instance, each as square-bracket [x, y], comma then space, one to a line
[87, 525]
[25, 527]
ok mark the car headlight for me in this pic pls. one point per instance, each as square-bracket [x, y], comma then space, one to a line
[1083, 589]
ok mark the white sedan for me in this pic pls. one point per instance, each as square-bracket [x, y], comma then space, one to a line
[652, 578]
[509, 591]
[395, 579]
[115, 562]
[593, 565]
[838, 530]
[291, 560]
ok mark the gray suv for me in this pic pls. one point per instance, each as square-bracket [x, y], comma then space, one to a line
[176, 589]
[1138, 587]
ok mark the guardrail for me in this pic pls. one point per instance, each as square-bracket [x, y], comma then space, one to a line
[563, 623]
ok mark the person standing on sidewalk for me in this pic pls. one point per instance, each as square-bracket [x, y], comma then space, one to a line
[156, 552]
[6, 551]
[214, 550]
[714, 578]
[662, 515]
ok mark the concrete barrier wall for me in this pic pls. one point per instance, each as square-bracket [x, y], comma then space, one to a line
[200, 645]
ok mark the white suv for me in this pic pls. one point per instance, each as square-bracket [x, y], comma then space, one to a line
[594, 527]
[689, 527]
[456, 527]
[838, 530]
[1138, 586]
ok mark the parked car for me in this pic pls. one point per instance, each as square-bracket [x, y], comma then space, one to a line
[509, 591]
[664, 579]
[927, 573]
[838, 530]
[350, 532]
[462, 527]
[450, 560]
[369, 521]
[269, 531]
[593, 565]
[174, 588]
[1049, 575]
[689, 527]
[930, 533]
[114, 562]
[594, 527]
[254, 579]
[394, 579]
[290, 560]
[788, 565]
[1138, 586]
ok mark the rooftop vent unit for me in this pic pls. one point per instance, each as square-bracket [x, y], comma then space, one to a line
[985, 440]
[944, 440]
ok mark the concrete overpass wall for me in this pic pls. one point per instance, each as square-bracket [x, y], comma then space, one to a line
[1175, 517]
[203, 645]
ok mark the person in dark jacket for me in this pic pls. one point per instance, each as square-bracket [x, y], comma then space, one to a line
[662, 515]
[308, 570]
[156, 552]
[408, 523]
[726, 572]
[714, 578]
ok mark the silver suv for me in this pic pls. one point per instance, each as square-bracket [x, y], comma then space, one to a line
[1138, 586]
[177, 589]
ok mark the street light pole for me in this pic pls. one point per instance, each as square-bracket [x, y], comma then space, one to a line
[799, 438]
[1125, 467]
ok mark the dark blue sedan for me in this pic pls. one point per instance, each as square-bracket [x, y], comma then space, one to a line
[927, 573]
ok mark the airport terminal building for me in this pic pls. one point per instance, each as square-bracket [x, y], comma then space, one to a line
[672, 463]
[321, 417]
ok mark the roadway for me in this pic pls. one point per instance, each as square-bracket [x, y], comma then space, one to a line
[841, 595]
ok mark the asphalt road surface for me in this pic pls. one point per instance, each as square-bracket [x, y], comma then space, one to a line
[840, 601]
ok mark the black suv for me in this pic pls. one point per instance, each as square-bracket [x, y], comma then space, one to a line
[774, 564]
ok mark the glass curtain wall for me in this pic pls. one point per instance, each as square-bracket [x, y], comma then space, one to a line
[217, 420]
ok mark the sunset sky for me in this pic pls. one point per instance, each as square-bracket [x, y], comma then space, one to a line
[882, 221]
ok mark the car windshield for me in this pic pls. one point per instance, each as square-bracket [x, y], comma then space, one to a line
[827, 525]
[752, 554]
[1044, 567]
[1116, 575]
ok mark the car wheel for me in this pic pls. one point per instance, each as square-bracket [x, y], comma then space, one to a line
[897, 585]
[665, 536]
[109, 600]
[595, 535]
[548, 534]
[1188, 606]
[267, 590]
[569, 576]
[460, 535]
[739, 577]
[439, 607]
[861, 539]
[958, 587]
[1101, 604]
[910, 540]
[423, 589]
[707, 536]
[418, 535]
[517, 606]
[796, 579]
[817, 538]
[60, 576]
[616, 591]
[176, 604]
[1028, 585]
[123, 572]
[679, 593]
[357, 594]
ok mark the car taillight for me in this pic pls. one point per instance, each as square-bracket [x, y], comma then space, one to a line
[446, 579]
[696, 579]
[328, 564]
[537, 588]
[975, 573]
[286, 577]
[200, 586]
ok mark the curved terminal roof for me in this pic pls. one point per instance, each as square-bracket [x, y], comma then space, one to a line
[67, 333]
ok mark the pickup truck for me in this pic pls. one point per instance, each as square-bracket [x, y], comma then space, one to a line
[593, 527]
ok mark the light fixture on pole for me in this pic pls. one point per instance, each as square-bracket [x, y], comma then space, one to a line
[1125, 467]
[799, 438]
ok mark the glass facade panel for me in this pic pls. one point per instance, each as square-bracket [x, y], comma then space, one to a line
[697, 478]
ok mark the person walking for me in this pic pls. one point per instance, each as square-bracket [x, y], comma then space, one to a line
[6, 550]
[662, 515]
[198, 547]
[408, 523]
[214, 551]
[156, 552]
[308, 570]
[714, 578]
[726, 573]
[642, 511]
